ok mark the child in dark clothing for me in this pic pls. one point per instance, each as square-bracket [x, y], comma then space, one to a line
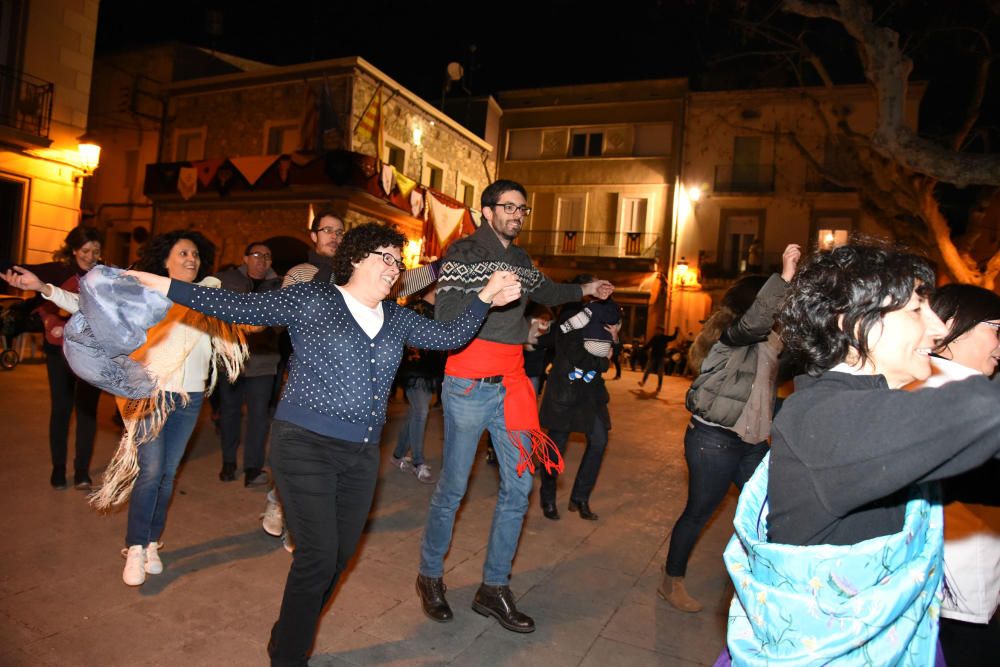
[592, 321]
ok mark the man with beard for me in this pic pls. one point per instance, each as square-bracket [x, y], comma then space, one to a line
[485, 387]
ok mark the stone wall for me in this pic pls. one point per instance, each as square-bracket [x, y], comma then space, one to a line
[460, 158]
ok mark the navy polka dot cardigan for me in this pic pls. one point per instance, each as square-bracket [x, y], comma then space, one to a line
[339, 378]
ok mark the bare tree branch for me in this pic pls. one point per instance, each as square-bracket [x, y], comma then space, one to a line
[888, 70]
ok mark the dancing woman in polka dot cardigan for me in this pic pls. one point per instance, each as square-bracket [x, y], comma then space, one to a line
[348, 342]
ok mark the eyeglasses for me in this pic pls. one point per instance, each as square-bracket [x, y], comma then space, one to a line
[511, 208]
[389, 259]
[996, 328]
[260, 255]
[339, 233]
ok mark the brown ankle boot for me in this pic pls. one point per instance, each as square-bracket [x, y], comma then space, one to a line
[672, 590]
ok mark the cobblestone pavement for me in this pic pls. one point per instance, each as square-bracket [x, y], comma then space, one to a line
[591, 586]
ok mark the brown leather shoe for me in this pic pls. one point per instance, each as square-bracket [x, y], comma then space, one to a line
[498, 602]
[584, 510]
[431, 591]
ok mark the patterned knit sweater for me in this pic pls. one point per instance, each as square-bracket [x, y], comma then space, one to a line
[339, 378]
[467, 267]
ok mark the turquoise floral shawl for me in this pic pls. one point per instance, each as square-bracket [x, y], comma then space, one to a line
[872, 603]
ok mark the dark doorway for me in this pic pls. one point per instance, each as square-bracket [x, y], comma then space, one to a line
[11, 213]
[286, 252]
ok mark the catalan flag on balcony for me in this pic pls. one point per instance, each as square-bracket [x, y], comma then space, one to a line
[370, 125]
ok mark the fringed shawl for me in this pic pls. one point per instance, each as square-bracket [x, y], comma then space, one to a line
[170, 343]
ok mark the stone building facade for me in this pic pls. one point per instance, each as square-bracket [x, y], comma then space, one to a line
[600, 163]
[46, 54]
[303, 120]
[747, 191]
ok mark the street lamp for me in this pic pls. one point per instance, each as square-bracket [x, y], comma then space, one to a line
[89, 154]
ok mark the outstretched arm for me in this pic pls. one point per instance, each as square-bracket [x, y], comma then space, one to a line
[502, 288]
[274, 308]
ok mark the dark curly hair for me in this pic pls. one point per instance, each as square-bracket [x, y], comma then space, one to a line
[78, 237]
[860, 283]
[491, 195]
[154, 255]
[966, 306]
[359, 243]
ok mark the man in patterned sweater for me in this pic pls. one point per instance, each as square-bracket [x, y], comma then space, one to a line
[485, 387]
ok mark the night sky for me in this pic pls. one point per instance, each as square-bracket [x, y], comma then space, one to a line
[718, 44]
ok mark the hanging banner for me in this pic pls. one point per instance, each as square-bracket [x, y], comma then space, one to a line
[206, 170]
[388, 178]
[416, 202]
[404, 183]
[447, 220]
[187, 182]
[254, 166]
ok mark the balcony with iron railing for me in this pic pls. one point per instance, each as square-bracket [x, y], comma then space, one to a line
[816, 182]
[755, 178]
[540, 242]
[26, 105]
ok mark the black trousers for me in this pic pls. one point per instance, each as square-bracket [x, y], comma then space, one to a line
[66, 391]
[256, 393]
[326, 487]
[970, 644]
[590, 464]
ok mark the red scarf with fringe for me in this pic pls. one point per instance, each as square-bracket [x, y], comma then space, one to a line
[483, 358]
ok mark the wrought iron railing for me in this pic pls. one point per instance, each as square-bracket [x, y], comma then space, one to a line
[815, 182]
[25, 102]
[744, 178]
[588, 243]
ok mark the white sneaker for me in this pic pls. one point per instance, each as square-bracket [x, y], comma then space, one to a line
[153, 563]
[423, 473]
[273, 518]
[134, 573]
[405, 464]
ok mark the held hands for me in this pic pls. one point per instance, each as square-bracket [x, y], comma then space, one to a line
[790, 261]
[613, 329]
[24, 279]
[150, 281]
[503, 288]
[600, 289]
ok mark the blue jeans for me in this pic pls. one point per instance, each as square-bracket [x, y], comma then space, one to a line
[411, 435]
[158, 461]
[471, 406]
[716, 458]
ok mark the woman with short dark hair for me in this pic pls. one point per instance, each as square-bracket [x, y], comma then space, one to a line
[971, 516]
[348, 340]
[837, 552]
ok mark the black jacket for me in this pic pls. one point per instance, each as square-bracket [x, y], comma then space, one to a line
[572, 405]
[845, 448]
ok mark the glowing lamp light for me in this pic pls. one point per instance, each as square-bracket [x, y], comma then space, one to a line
[90, 156]
[684, 275]
[694, 193]
[417, 134]
[411, 253]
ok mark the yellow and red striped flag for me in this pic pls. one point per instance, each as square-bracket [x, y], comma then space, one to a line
[370, 125]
